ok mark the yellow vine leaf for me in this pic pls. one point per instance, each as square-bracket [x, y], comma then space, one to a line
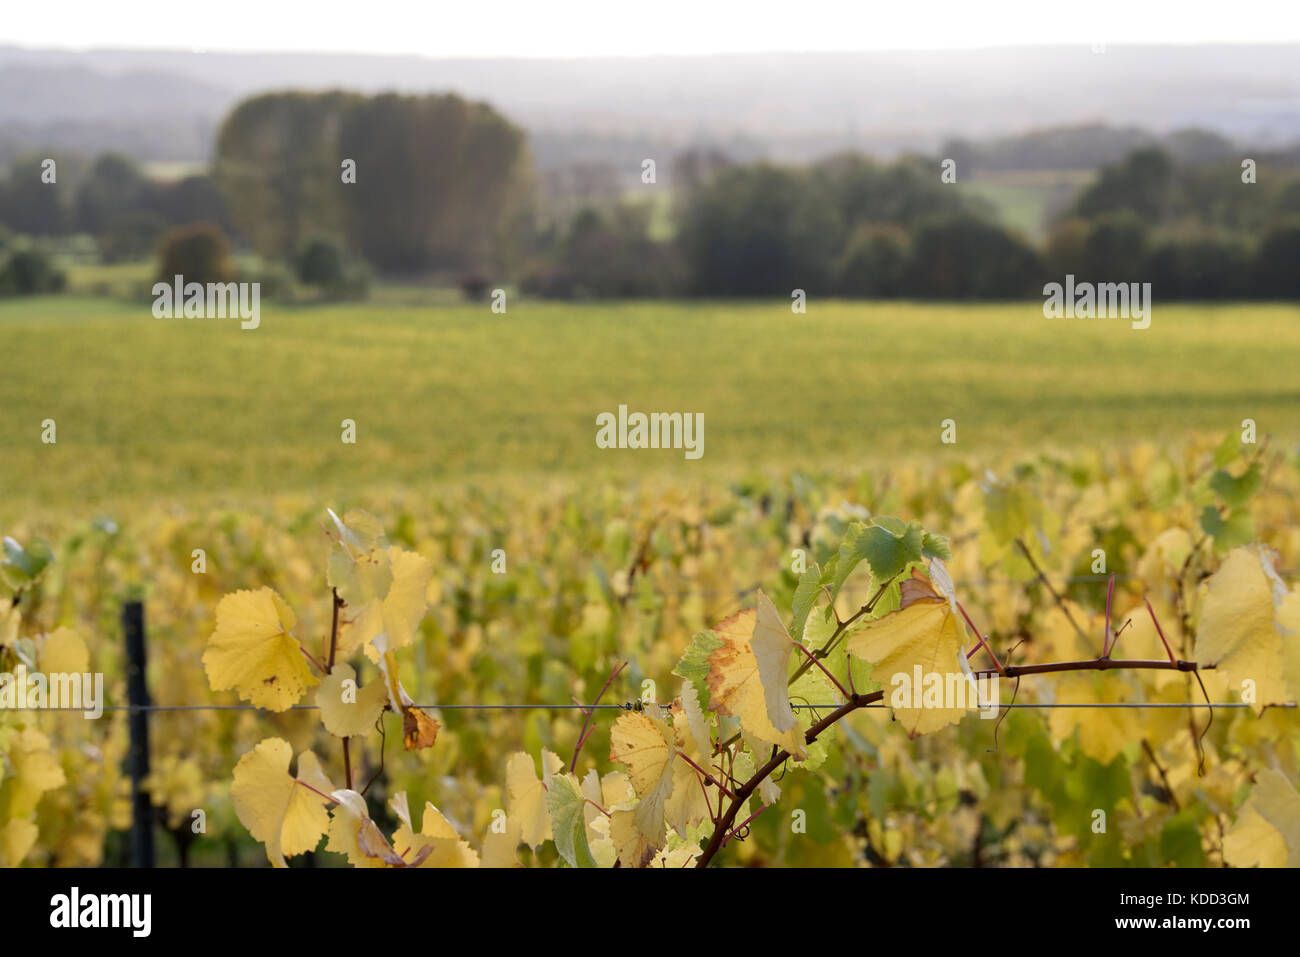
[1103, 732]
[353, 834]
[748, 675]
[253, 651]
[443, 844]
[64, 652]
[396, 613]
[1267, 832]
[359, 567]
[1238, 631]
[17, 838]
[630, 843]
[34, 771]
[688, 804]
[922, 634]
[527, 795]
[645, 745]
[500, 848]
[10, 619]
[418, 729]
[347, 710]
[278, 811]
[613, 790]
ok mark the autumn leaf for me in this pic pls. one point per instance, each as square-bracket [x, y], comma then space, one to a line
[527, 795]
[645, 745]
[747, 677]
[418, 729]
[346, 710]
[64, 652]
[436, 844]
[922, 638]
[277, 810]
[353, 834]
[567, 807]
[1239, 629]
[1267, 832]
[253, 651]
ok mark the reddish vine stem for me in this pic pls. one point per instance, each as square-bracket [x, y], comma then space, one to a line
[1100, 664]
[584, 733]
[824, 650]
[723, 828]
[707, 776]
[814, 660]
[1042, 577]
[334, 629]
[746, 789]
[1159, 631]
[982, 643]
[1110, 597]
[743, 824]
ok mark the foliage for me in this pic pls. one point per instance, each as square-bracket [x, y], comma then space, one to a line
[662, 577]
[198, 252]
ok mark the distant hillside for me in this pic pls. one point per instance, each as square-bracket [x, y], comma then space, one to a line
[165, 105]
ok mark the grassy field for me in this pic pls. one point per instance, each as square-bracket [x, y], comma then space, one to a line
[174, 408]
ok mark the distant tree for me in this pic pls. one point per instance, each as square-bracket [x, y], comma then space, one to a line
[194, 199]
[278, 168]
[760, 230]
[1113, 249]
[873, 263]
[320, 263]
[1198, 267]
[198, 252]
[27, 271]
[30, 206]
[441, 183]
[129, 235]
[608, 255]
[1142, 184]
[903, 192]
[114, 187]
[964, 257]
[1276, 275]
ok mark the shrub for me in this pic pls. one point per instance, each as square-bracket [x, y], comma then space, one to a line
[873, 263]
[320, 263]
[199, 252]
[965, 258]
[30, 272]
[1199, 267]
[1276, 272]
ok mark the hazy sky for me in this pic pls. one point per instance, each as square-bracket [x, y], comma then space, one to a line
[569, 28]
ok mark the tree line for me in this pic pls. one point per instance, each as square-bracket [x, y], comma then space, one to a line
[336, 184]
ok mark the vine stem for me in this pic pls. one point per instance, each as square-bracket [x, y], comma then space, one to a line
[724, 824]
[334, 629]
[823, 651]
[1042, 576]
[723, 828]
[584, 734]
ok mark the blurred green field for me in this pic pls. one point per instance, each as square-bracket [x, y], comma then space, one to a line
[174, 408]
[1025, 200]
